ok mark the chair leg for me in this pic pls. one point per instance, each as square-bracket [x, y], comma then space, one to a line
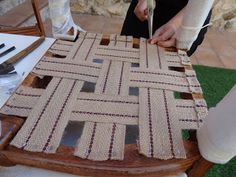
[35, 4]
[200, 168]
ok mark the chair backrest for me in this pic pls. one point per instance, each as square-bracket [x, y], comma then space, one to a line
[36, 30]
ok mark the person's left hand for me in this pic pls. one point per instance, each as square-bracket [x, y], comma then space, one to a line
[165, 35]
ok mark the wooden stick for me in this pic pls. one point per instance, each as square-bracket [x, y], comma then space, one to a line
[25, 52]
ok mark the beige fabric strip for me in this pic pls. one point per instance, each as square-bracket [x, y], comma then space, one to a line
[161, 79]
[119, 41]
[106, 108]
[152, 56]
[54, 108]
[22, 101]
[93, 149]
[75, 49]
[160, 135]
[86, 50]
[191, 115]
[79, 71]
[111, 134]
[172, 59]
[106, 112]
[117, 53]
[62, 42]
[192, 80]
[60, 47]
[58, 52]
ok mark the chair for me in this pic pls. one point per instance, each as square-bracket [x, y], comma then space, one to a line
[36, 30]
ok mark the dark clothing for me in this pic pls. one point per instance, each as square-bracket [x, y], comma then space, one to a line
[164, 11]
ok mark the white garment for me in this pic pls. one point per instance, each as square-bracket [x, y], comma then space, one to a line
[195, 15]
[24, 171]
[217, 137]
[62, 20]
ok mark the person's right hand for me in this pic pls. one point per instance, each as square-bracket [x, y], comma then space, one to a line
[141, 10]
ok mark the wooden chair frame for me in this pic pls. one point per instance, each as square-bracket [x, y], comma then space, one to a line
[134, 164]
[36, 30]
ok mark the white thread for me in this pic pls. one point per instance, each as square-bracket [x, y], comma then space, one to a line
[195, 28]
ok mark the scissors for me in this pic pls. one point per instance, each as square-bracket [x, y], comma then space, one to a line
[151, 6]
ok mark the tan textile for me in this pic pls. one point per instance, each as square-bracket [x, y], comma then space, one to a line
[132, 86]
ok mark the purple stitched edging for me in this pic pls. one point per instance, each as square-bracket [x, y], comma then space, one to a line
[121, 75]
[115, 40]
[108, 71]
[41, 114]
[17, 107]
[146, 53]
[73, 64]
[69, 45]
[104, 114]
[159, 58]
[150, 122]
[168, 124]
[112, 141]
[198, 106]
[79, 46]
[58, 118]
[60, 50]
[119, 50]
[27, 95]
[91, 47]
[190, 120]
[67, 72]
[91, 140]
[108, 101]
[156, 73]
[116, 56]
[164, 83]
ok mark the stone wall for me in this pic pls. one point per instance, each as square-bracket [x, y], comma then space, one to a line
[223, 17]
[101, 7]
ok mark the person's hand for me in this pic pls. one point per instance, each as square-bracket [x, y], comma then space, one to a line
[165, 35]
[141, 10]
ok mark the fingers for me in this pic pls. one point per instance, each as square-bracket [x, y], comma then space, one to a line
[156, 36]
[168, 43]
[141, 10]
[164, 33]
[167, 34]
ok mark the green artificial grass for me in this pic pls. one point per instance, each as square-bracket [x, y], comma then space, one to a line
[216, 83]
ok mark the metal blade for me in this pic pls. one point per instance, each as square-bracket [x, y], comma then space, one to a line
[151, 6]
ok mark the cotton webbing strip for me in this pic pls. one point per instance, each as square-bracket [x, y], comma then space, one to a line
[122, 56]
[161, 79]
[159, 131]
[150, 56]
[109, 82]
[93, 148]
[44, 127]
[116, 69]
[106, 108]
[79, 71]
[61, 47]
[191, 114]
[22, 101]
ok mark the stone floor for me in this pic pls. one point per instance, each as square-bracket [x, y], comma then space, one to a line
[218, 48]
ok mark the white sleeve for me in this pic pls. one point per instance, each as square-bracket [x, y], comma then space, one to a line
[194, 17]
